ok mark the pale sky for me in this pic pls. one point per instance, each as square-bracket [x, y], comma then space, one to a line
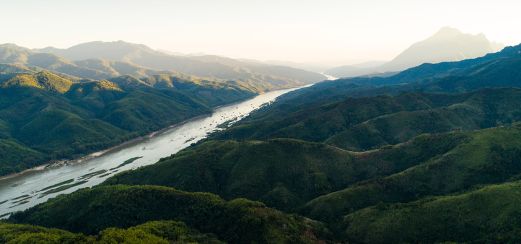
[328, 31]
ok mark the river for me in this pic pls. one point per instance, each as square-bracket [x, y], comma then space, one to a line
[31, 188]
[329, 77]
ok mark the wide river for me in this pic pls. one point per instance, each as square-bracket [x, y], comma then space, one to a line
[31, 188]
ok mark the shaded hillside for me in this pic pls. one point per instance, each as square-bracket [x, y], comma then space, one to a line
[150, 232]
[372, 122]
[281, 173]
[486, 215]
[287, 173]
[236, 221]
[490, 156]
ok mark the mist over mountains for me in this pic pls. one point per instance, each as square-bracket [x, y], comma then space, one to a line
[448, 44]
[207, 66]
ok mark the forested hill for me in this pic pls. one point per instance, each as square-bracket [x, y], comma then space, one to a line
[433, 160]
[46, 116]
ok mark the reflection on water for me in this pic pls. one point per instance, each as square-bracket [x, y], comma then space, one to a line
[24, 191]
[329, 77]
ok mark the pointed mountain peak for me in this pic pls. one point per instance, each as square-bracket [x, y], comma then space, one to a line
[448, 31]
[448, 44]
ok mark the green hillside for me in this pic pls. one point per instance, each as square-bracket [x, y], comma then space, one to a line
[46, 116]
[371, 122]
[282, 173]
[489, 156]
[150, 232]
[486, 215]
[237, 221]
[42, 80]
[286, 174]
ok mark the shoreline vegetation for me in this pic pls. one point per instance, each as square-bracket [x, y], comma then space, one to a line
[59, 163]
[119, 146]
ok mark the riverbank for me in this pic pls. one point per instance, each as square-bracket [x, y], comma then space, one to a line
[92, 155]
[146, 136]
[88, 171]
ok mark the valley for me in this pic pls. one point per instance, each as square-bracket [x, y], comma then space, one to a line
[253, 122]
[326, 162]
[94, 169]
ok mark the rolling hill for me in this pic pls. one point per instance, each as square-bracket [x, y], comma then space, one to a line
[150, 232]
[489, 156]
[237, 221]
[45, 116]
[282, 173]
[370, 158]
[286, 174]
[366, 123]
[486, 215]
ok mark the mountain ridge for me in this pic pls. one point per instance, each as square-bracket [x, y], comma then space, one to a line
[205, 66]
[447, 44]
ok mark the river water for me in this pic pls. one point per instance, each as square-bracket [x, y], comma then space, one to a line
[329, 77]
[31, 188]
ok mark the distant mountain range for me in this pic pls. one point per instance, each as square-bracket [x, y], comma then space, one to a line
[354, 70]
[139, 59]
[448, 44]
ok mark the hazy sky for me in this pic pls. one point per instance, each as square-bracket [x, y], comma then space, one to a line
[296, 30]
